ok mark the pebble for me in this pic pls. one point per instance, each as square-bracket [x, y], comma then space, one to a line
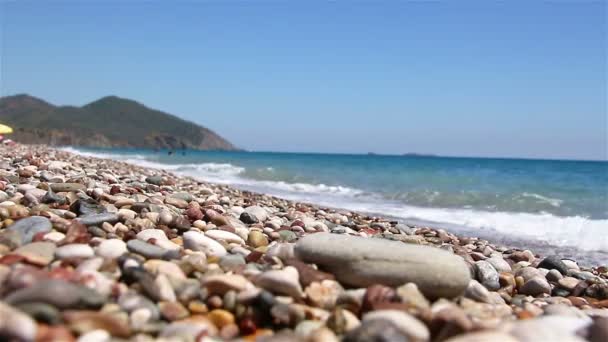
[30, 226]
[67, 187]
[76, 250]
[111, 248]
[149, 251]
[285, 281]
[257, 239]
[224, 235]
[407, 324]
[199, 242]
[554, 262]
[59, 293]
[376, 331]
[15, 324]
[362, 262]
[487, 275]
[98, 219]
[37, 253]
[220, 284]
[535, 287]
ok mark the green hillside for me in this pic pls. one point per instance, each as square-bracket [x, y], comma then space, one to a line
[108, 122]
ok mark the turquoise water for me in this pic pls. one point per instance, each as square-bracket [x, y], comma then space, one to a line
[535, 202]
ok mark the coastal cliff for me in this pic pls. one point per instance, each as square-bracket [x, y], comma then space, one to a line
[108, 122]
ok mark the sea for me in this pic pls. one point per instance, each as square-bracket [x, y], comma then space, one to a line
[549, 206]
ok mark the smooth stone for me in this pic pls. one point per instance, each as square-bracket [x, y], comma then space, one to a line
[230, 262]
[287, 236]
[554, 276]
[248, 218]
[147, 234]
[132, 301]
[568, 283]
[376, 331]
[554, 262]
[59, 293]
[149, 251]
[500, 264]
[67, 187]
[285, 281]
[75, 250]
[199, 242]
[478, 292]
[362, 262]
[111, 249]
[15, 324]
[483, 336]
[38, 253]
[535, 287]
[258, 212]
[548, 328]
[170, 269]
[85, 321]
[217, 234]
[598, 332]
[257, 239]
[187, 330]
[220, 284]
[98, 219]
[487, 275]
[407, 324]
[30, 226]
[155, 180]
[283, 251]
[411, 295]
[41, 312]
[95, 336]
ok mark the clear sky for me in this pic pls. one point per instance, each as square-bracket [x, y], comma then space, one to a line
[488, 78]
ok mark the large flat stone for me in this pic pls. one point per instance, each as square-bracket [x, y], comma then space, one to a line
[361, 262]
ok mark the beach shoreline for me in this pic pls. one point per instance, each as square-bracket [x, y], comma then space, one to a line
[210, 259]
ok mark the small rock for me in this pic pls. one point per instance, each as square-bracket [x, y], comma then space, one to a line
[59, 293]
[198, 242]
[535, 287]
[407, 324]
[568, 283]
[554, 262]
[376, 331]
[37, 253]
[487, 275]
[224, 235]
[76, 250]
[283, 281]
[15, 324]
[86, 321]
[98, 219]
[67, 187]
[111, 249]
[173, 311]
[257, 239]
[30, 226]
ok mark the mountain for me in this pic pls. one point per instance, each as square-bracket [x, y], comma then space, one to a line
[108, 122]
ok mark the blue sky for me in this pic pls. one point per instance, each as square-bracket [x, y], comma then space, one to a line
[516, 79]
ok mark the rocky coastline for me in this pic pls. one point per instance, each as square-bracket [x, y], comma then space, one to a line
[100, 250]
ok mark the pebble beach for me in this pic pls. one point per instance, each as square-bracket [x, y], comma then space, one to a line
[100, 250]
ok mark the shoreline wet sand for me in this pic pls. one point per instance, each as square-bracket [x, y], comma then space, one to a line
[96, 249]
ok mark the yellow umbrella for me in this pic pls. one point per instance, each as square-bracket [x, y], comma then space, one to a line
[5, 129]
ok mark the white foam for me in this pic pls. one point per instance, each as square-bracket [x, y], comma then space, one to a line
[556, 202]
[574, 231]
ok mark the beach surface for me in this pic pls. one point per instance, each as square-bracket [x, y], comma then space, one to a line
[96, 250]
